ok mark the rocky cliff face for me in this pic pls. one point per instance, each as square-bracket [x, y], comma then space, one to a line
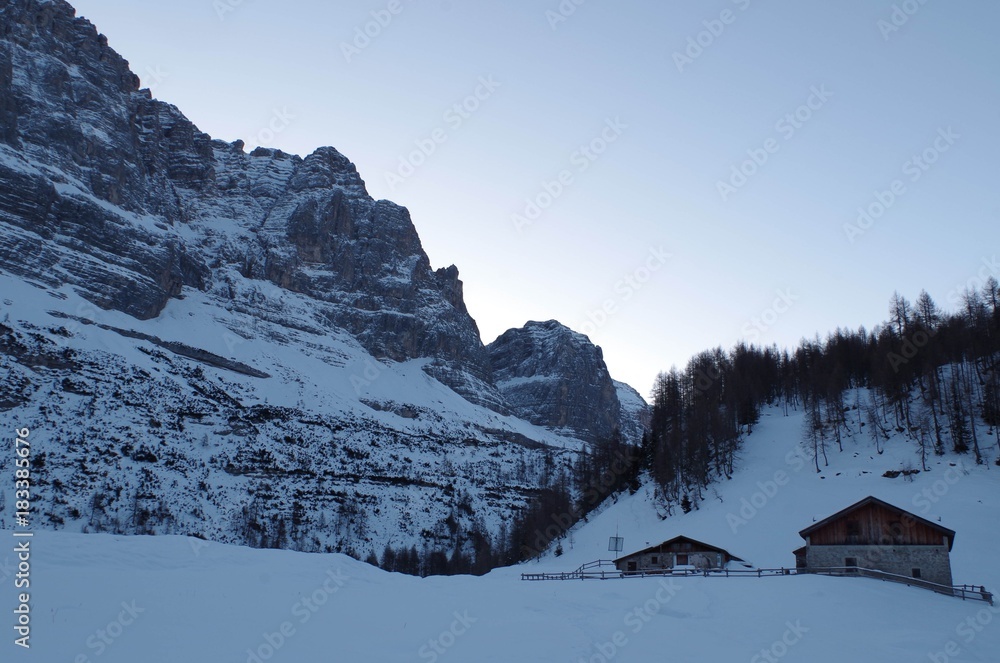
[205, 340]
[555, 377]
[119, 195]
[636, 414]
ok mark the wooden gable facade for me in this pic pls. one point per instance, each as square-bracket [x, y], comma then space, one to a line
[872, 522]
[678, 551]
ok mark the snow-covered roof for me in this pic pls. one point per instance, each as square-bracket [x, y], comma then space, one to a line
[658, 547]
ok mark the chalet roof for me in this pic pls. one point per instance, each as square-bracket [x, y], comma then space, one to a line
[885, 505]
[676, 539]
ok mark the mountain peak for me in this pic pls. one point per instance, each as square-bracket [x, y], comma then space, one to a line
[238, 328]
[326, 168]
[555, 377]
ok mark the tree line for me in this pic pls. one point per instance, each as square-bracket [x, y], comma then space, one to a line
[570, 492]
[924, 373]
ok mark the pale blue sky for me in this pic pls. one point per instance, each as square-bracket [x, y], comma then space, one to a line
[886, 95]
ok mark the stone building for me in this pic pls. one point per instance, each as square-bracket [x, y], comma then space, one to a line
[678, 551]
[873, 534]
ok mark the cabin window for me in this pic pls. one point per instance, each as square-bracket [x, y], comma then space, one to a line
[654, 559]
[853, 531]
[631, 566]
[851, 562]
[916, 573]
[682, 559]
[896, 529]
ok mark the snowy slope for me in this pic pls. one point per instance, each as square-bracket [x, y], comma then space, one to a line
[211, 602]
[758, 520]
[242, 346]
[265, 416]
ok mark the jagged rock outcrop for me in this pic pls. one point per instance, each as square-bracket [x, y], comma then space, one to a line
[636, 414]
[555, 377]
[122, 197]
[264, 335]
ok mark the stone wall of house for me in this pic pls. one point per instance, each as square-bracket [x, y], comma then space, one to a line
[667, 560]
[933, 561]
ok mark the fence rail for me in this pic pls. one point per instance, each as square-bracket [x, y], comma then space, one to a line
[591, 570]
[597, 570]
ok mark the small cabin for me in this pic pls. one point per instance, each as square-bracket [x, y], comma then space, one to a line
[872, 534]
[678, 551]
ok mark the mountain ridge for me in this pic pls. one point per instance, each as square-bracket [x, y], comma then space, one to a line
[246, 346]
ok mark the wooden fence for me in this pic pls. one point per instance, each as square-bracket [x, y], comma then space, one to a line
[605, 569]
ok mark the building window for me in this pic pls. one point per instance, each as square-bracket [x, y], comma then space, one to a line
[682, 560]
[631, 566]
[853, 531]
[851, 562]
[896, 530]
[916, 573]
[654, 559]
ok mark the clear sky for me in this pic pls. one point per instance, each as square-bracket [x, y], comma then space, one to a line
[626, 124]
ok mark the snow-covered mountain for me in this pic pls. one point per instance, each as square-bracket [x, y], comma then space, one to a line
[245, 347]
[555, 377]
[211, 602]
